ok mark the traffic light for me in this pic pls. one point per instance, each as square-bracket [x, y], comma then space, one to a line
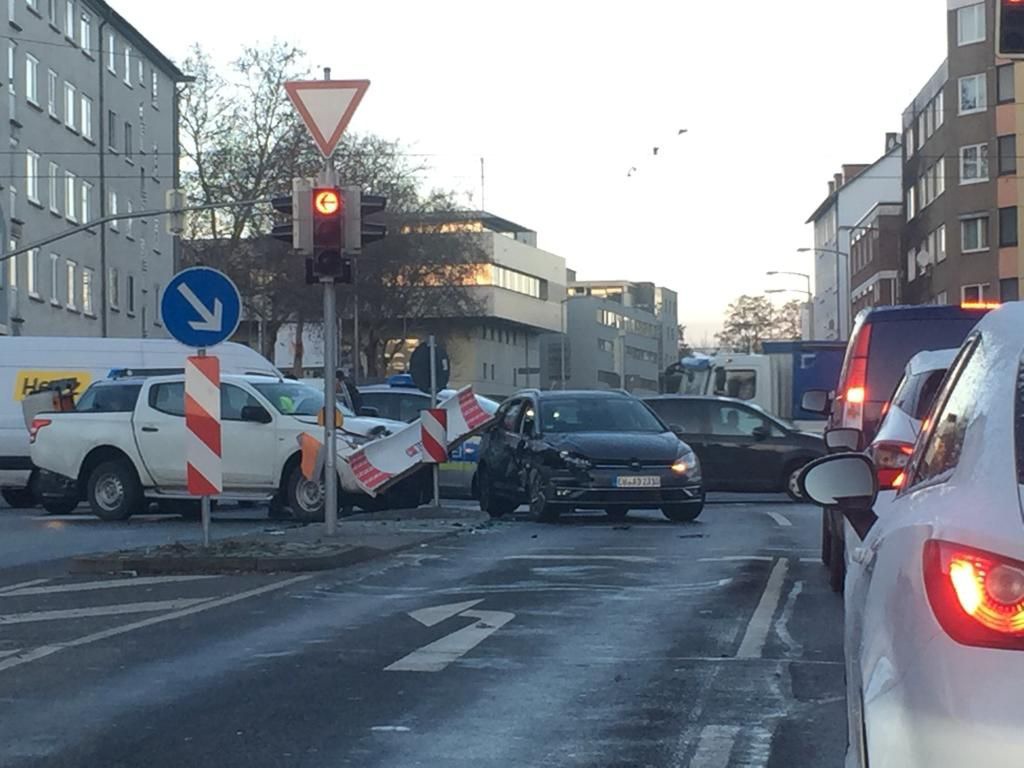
[358, 232]
[296, 229]
[329, 259]
[1010, 29]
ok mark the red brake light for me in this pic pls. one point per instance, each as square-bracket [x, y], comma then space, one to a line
[853, 391]
[37, 424]
[977, 597]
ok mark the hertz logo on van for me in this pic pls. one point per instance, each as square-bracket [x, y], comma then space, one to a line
[27, 382]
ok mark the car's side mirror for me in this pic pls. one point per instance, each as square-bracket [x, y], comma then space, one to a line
[816, 401]
[761, 432]
[256, 414]
[370, 412]
[847, 481]
[843, 440]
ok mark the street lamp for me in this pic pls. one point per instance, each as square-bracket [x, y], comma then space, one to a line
[808, 292]
[839, 297]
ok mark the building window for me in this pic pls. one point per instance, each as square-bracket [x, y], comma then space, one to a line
[111, 52]
[113, 288]
[87, 282]
[939, 172]
[54, 188]
[155, 83]
[69, 196]
[974, 163]
[911, 203]
[1004, 84]
[929, 118]
[908, 141]
[86, 117]
[12, 268]
[32, 79]
[86, 212]
[1007, 227]
[54, 279]
[85, 33]
[940, 243]
[142, 72]
[71, 276]
[32, 273]
[129, 224]
[1008, 155]
[973, 94]
[51, 12]
[128, 66]
[970, 24]
[69, 20]
[130, 291]
[974, 234]
[32, 176]
[129, 140]
[111, 130]
[69, 105]
[51, 93]
[922, 136]
[975, 293]
[112, 211]
[1009, 289]
[940, 109]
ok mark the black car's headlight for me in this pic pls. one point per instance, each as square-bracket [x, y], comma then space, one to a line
[687, 464]
[574, 460]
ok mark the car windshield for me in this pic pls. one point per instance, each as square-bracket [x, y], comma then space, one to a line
[295, 399]
[597, 414]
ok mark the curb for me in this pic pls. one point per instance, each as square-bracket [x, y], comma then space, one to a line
[162, 564]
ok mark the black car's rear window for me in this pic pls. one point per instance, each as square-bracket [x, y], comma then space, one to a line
[109, 398]
[893, 343]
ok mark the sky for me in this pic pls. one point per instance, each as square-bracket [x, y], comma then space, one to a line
[562, 99]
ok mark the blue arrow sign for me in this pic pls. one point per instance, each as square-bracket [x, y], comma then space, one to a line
[201, 307]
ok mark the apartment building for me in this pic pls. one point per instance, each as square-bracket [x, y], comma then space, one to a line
[961, 188]
[876, 257]
[91, 132]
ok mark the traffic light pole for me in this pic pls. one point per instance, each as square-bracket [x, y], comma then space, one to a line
[328, 178]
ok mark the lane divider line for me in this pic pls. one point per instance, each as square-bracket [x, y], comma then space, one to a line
[28, 589]
[100, 610]
[760, 622]
[714, 746]
[779, 518]
[22, 585]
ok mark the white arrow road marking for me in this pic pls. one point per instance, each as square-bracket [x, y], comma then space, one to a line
[439, 654]
[211, 321]
[428, 617]
[779, 518]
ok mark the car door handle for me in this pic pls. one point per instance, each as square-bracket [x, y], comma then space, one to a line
[150, 429]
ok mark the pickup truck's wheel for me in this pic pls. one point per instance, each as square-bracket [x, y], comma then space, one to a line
[305, 497]
[114, 491]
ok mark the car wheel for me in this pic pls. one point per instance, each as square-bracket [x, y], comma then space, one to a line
[683, 513]
[114, 491]
[19, 498]
[305, 497]
[837, 564]
[617, 514]
[279, 508]
[491, 502]
[59, 506]
[792, 481]
[541, 510]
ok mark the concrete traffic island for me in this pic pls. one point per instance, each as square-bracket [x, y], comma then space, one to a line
[292, 548]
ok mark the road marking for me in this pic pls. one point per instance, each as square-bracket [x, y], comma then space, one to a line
[390, 729]
[779, 518]
[101, 610]
[761, 621]
[440, 653]
[22, 585]
[793, 648]
[617, 558]
[48, 650]
[26, 589]
[5, 654]
[736, 558]
[715, 746]
[86, 517]
[428, 617]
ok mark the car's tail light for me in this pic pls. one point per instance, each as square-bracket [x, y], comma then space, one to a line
[977, 596]
[853, 393]
[890, 458]
[37, 424]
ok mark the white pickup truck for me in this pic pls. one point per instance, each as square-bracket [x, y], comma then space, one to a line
[125, 442]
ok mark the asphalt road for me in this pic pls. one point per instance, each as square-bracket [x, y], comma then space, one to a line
[712, 645]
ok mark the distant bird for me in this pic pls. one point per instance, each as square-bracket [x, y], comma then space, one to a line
[631, 172]
[682, 131]
[656, 150]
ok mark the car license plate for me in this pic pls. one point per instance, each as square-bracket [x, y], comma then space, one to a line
[638, 481]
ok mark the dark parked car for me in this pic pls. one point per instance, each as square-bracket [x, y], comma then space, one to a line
[560, 451]
[741, 448]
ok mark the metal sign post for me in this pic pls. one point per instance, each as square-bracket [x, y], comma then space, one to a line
[328, 178]
[433, 404]
[204, 500]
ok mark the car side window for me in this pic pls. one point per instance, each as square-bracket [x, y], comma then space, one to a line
[232, 400]
[410, 406]
[731, 420]
[385, 404]
[168, 398]
[955, 411]
[510, 417]
[689, 415]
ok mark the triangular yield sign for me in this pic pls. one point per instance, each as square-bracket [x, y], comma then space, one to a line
[326, 107]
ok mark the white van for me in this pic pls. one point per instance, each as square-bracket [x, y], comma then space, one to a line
[28, 362]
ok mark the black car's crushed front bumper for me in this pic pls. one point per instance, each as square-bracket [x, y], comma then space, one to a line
[603, 487]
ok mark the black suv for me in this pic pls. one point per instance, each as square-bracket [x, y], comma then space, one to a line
[561, 451]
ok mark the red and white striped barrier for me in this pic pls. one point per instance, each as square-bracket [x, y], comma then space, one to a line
[202, 426]
[434, 435]
[383, 462]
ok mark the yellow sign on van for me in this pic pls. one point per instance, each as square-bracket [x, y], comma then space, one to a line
[28, 381]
